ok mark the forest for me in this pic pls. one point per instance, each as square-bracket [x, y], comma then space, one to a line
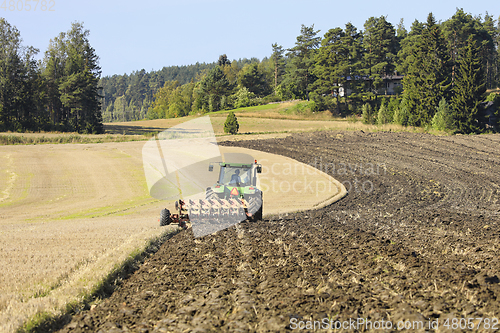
[436, 73]
[59, 93]
[445, 69]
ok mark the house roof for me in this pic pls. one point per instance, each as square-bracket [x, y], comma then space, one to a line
[385, 77]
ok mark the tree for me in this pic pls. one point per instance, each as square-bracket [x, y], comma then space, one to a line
[405, 54]
[491, 36]
[162, 100]
[337, 64]
[457, 31]
[469, 89]
[443, 118]
[352, 40]
[72, 71]
[251, 78]
[299, 75]
[20, 83]
[211, 88]
[278, 63]
[367, 115]
[243, 97]
[120, 109]
[380, 44]
[231, 125]
[401, 114]
[384, 116]
[331, 65]
[428, 79]
[224, 61]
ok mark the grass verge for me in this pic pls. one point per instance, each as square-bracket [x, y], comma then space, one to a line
[37, 138]
[48, 322]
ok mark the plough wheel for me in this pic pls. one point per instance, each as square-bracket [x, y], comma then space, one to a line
[165, 218]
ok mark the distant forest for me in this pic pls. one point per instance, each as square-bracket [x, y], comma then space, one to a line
[444, 69]
[431, 74]
[128, 97]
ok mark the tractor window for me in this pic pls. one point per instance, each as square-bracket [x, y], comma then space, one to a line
[231, 175]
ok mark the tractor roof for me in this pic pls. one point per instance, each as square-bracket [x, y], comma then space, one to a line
[235, 165]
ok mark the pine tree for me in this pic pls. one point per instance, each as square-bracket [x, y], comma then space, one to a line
[299, 75]
[469, 88]
[72, 72]
[332, 66]
[278, 64]
[381, 48]
[231, 125]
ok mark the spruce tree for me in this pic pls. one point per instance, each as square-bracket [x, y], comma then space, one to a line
[231, 125]
[401, 114]
[443, 119]
[383, 116]
[429, 77]
[468, 90]
[367, 115]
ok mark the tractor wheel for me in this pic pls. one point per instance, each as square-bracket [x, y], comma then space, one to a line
[255, 207]
[165, 218]
[258, 215]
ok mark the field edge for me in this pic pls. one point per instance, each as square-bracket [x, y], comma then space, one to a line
[45, 321]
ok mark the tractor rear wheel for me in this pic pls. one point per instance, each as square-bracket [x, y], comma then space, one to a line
[165, 218]
[255, 207]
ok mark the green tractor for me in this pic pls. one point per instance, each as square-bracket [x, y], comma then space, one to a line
[234, 198]
[237, 185]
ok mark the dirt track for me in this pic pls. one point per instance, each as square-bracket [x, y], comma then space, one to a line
[416, 239]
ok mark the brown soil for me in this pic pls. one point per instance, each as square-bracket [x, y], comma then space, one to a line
[418, 242]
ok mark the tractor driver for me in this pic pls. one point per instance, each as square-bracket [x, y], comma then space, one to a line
[235, 178]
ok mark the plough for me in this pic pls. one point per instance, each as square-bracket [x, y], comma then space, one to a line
[234, 198]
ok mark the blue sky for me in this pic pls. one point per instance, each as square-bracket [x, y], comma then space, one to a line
[130, 35]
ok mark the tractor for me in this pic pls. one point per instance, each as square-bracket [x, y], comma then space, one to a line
[233, 198]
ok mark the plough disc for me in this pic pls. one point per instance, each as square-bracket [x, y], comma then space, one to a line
[215, 210]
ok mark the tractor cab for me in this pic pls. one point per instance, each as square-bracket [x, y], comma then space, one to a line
[236, 175]
[236, 179]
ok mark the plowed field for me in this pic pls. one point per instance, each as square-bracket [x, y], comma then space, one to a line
[414, 245]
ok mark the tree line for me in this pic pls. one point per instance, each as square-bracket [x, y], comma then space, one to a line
[128, 97]
[451, 62]
[59, 93]
[447, 67]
